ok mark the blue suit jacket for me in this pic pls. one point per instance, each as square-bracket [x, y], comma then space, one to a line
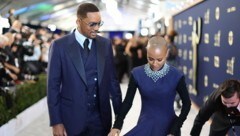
[66, 89]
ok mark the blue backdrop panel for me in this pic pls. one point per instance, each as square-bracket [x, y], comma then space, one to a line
[218, 52]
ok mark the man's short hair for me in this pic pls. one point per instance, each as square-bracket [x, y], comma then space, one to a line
[84, 8]
[229, 87]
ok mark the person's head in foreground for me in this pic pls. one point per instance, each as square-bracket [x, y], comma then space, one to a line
[230, 92]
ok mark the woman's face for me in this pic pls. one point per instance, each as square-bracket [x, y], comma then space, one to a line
[157, 57]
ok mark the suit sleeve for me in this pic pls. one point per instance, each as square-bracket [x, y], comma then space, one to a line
[115, 92]
[183, 93]
[204, 114]
[53, 85]
[127, 103]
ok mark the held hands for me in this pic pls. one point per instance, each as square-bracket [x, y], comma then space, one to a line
[59, 130]
[114, 132]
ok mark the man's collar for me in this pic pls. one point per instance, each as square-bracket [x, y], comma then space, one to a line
[81, 38]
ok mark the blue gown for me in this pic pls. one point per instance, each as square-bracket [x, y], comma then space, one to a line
[157, 115]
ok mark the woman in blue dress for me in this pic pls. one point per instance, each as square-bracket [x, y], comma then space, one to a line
[157, 83]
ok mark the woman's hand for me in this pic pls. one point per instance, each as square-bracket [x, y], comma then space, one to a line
[114, 132]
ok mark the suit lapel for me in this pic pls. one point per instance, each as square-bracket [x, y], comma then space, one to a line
[100, 58]
[75, 55]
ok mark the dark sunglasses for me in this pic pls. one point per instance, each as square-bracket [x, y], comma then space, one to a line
[93, 24]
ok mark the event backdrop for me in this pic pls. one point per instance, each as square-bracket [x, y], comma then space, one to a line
[208, 42]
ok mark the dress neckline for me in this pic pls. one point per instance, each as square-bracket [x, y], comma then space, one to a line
[155, 75]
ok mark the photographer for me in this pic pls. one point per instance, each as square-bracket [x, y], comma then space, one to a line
[6, 74]
[32, 64]
[6, 77]
[23, 48]
[224, 105]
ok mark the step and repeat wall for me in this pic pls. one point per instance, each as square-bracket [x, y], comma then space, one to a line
[208, 42]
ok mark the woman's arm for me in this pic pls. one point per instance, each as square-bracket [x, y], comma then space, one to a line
[127, 103]
[184, 95]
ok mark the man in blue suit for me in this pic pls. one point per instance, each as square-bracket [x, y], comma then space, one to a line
[82, 79]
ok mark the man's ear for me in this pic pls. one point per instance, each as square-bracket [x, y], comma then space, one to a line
[77, 21]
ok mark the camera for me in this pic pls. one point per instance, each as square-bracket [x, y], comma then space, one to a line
[3, 57]
[24, 47]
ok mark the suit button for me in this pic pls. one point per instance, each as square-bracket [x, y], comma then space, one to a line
[95, 79]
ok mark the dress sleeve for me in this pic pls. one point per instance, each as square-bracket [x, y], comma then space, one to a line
[127, 103]
[183, 93]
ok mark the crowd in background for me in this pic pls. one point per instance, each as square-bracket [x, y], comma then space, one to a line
[23, 53]
[130, 53]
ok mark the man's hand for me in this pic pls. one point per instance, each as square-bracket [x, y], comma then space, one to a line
[59, 130]
[114, 132]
